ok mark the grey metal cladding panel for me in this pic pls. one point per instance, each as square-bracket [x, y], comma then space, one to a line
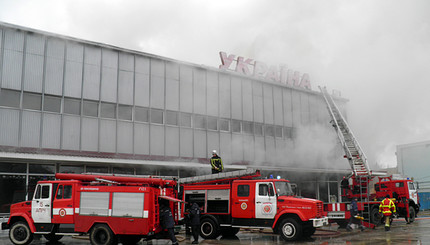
[14, 40]
[75, 52]
[110, 58]
[237, 147]
[30, 129]
[55, 48]
[157, 67]
[157, 92]
[236, 98]
[71, 132]
[248, 149]
[258, 108]
[1, 41]
[54, 76]
[109, 84]
[213, 142]
[212, 99]
[200, 144]
[225, 147]
[172, 142]
[125, 87]
[270, 149]
[277, 102]
[281, 150]
[224, 96]
[51, 131]
[172, 94]
[35, 44]
[296, 109]
[172, 70]
[126, 61]
[92, 55]
[287, 106]
[199, 91]
[304, 105]
[313, 109]
[247, 100]
[33, 73]
[268, 104]
[185, 95]
[141, 91]
[141, 138]
[107, 135]
[90, 134]
[125, 137]
[73, 79]
[260, 149]
[9, 127]
[186, 142]
[91, 82]
[12, 69]
[156, 140]
[142, 65]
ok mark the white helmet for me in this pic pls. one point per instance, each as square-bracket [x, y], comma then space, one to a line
[213, 152]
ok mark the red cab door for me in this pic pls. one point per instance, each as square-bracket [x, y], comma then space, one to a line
[243, 203]
[63, 209]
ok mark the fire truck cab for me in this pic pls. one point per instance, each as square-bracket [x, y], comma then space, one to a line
[254, 203]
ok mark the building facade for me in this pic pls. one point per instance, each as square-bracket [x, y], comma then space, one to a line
[69, 105]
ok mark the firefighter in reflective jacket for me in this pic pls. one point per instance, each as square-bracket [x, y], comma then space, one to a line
[387, 208]
[216, 163]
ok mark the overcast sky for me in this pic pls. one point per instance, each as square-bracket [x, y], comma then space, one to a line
[375, 52]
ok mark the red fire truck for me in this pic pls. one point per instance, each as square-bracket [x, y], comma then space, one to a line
[108, 208]
[231, 201]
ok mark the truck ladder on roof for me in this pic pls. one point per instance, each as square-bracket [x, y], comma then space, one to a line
[356, 157]
[221, 177]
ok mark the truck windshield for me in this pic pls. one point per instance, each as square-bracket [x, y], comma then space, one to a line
[283, 189]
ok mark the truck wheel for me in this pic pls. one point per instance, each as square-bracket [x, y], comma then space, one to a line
[290, 230]
[53, 237]
[209, 229]
[20, 233]
[101, 234]
[230, 231]
[374, 216]
[411, 214]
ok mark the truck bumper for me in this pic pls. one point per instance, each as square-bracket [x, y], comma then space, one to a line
[320, 222]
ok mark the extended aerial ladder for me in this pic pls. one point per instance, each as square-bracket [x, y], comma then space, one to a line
[223, 177]
[361, 173]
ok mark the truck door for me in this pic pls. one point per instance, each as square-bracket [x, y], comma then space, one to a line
[41, 203]
[412, 192]
[265, 201]
[242, 206]
[63, 205]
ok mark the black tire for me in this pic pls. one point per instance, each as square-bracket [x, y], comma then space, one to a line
[290, 229]
[412, 214]
[230, 231]
[20, 233]
[130, 239]
[209, 229]
[53, 237]
[375, 218]
[308, 231]
[101, 234]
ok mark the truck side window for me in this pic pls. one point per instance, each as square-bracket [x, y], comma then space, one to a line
[45, 191]
[271, 191]
[411, 186]
[243, 190]
[263, 190]
[37, 192]
[64, 192]
[59, 192]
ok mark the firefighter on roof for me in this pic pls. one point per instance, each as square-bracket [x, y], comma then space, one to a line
[387, 208]
[216, 163]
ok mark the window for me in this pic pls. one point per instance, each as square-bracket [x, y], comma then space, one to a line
[269, 130]
[278, 132]
[212, 123]
[125, 112]
[9, 98]
[248, 127]
[64, 192]
[185, 120]
[235, 126]
[141, 114]
[156, 116]
[72, 106]
[91, 108]
[200, 122]
[108, 110]
[411, 186]
[258, 129]
[263, 190]
[224, 125]
[243, 190]
[288, 133]
[171, 118]
[32, 101]
[52, 103]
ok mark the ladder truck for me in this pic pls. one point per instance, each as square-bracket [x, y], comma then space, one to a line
[239, 199]
[110, 209]
[357, 185]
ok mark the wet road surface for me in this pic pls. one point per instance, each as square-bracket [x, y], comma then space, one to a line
[401, 233]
